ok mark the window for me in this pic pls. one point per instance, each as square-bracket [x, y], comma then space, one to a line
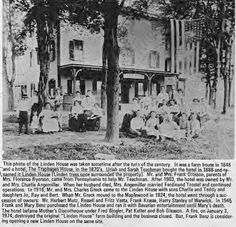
[95, 86]
[167, 43]
[127, 57]
[154, 59]
[140, 89]
[180, 67]
[69, 87]
[52, 87]
[23, 91]
[32, 89]
[82, 87]
[76, 50]
[168, 65]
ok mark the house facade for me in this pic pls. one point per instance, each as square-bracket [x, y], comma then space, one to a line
[146, 62]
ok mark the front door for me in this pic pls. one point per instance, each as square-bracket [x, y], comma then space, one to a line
[125, 86]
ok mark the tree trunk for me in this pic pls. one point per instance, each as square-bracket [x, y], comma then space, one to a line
[104, 78]
[210, 95]
[111, 12]
[9, 55]
[10, 97]
[214, 89]
[229, 73]
[225, 95]
[206, 91]
[44, 33]
[229, 91]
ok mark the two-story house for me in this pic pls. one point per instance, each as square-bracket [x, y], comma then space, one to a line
[76, 61]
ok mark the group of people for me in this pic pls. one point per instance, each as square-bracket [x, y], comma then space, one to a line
[166, 115]
[85, 113]
[49, 118]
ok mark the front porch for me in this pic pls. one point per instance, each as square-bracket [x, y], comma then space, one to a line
[133, 82]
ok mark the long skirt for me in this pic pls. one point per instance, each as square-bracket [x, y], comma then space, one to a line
[50, 125]
[79, 123]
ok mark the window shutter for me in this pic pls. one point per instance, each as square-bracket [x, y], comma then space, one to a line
[71, 50]
[52, 51]
[157, 59]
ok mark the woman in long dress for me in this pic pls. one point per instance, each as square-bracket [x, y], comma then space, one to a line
[49, 121]
[152, 125]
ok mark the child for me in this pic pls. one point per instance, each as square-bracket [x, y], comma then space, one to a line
[194, 126]
[34, 122]
[184, 124]
[22, 113]
[58, 114]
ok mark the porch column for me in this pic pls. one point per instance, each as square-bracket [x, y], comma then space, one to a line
[177, 46]
[188, 59]
[183, 34]
[74, 80]
[172, 46]
[149, 86]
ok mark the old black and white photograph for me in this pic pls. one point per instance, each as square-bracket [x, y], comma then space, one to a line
[118, 79]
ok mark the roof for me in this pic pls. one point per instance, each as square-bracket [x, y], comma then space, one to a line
[122, 69]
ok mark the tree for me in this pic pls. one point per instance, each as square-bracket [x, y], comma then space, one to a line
[216, 15]
[225, 47]
[43, 16]
[13, 46]
[103, 15]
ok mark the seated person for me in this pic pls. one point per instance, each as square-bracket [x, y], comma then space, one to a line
[88, 104]
[194, 126]
[179, 97]
[77, 97]
[146, 99]
[162, 108]
[153, 105]
[97, 111]
[184, 124]
[135, 105]
[94, 121]
[168, 128]
[49, 122]
[59, 116]
[163, 95]
[152, 125]
[137, 125]
[195, 107]
[59, 96]
[125, 126]
[145, 112]
[91, 96]
[77, 119]
[173, 107]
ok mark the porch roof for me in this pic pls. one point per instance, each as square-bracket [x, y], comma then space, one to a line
[124, 70]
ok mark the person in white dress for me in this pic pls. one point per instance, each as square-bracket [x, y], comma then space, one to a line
[137, 124]
[163, 95]
[152, 125]
[35, 122]
[49, 121]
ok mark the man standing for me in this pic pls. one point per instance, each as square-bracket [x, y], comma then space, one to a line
[22, 113]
